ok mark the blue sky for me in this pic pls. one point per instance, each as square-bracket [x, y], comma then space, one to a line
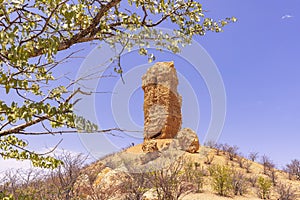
[258, 59]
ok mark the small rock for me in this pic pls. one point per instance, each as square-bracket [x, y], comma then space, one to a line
[188, 140]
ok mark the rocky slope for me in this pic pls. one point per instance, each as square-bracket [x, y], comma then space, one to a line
[168, 173]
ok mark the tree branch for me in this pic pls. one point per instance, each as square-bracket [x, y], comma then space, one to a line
[78, 131]
[19, 128]
[80, 37]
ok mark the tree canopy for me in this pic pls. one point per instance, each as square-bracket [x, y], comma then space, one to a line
[34, 33]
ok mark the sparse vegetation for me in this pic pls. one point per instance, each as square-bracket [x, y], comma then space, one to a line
[221, 179]
[239, 183]
[253, 156]
[231, 151]
[267, 164]
[247, 165]
[194, 173]
[241, 160]
[227, 178]
[218, 148]
[253, 180]
[286, 192]
[273, 175]
[264, 187]
[293, 169]
[137, 187]
[170, 183]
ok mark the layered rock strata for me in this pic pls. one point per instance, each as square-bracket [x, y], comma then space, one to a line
[162, 103]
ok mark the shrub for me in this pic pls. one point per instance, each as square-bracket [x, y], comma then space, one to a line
[231, 151]
[240, 160]
[210, 144]
[253, 156]
[199, 173]
[170, 183]
[222, 180]
[273, 175]
[137, 186]
[264, 187]
[218, 148]
[194, 174]
[253, 180]
[267, 163]
[239, 183]
[286, 192]
[293, 169]
[189, 171]
[224, 148]
[215, 146]
[247, 165]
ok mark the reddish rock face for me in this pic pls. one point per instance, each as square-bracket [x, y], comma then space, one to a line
[162, 103]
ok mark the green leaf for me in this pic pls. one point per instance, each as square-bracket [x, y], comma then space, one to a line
[143, 51]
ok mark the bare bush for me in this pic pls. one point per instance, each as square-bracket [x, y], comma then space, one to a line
[24, 184]
[253, 156]
[230, 151]
[10, 182]
[253, 180]
[293, 169]
[170, 183]
[63, 178]
[210, 144]
[41, 184]
[218, 148]
[239, 183]
[247, 165]
[214, 145]
[267, 164]
[224, 147]
[273, 175]
[240, 160]
[286, 192]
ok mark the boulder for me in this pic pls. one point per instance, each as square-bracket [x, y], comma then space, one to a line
[112, 180]
[188, 140]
